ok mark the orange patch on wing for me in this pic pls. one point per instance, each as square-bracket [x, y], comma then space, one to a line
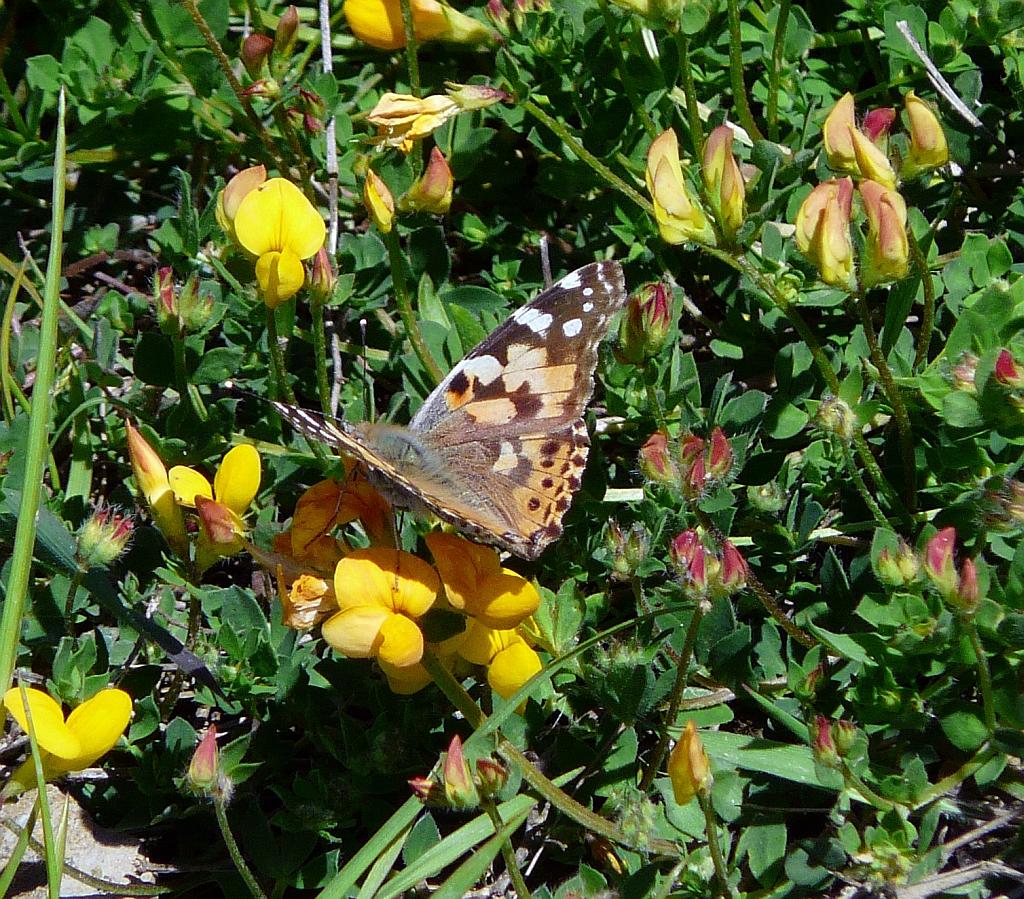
[498, 411]
[547, 379]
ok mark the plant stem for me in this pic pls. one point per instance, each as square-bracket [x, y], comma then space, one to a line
[984, 675]
[714, 847]
[676, 698]
[404, 302]
[236, 853]
[858, 482]
[774, 73]
[856, 783]
[36, 445]
[739, 88]
[623, 71]
[895, 398]
[323, 385]
[586, 156]
[508, 852]
[982, 757]
[284, 388]
[411, 57]
[690, 92]
[924, 335]
[186, 391]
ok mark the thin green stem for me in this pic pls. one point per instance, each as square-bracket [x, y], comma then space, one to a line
[739, 88]
[858, 482]
[404, 302]
[36, 446]
[284, 387]
[714, 847]
[12, 108]
[213, 45]
[508, 851]
[690, 92]
[775, 72]
[924, 335]
[856, 783]
[243, 869]
[411, 55]
[42, 803]
[323, 385]
[187, 391]
[984, 675]
[586, 156]
[675, 699]
[899, 408]
[622, 69]
[982, 757]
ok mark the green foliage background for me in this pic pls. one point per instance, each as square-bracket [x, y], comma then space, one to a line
[319, 749]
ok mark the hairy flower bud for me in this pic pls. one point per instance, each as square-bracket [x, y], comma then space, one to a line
[928, 147]
[103, 538]
[458, 782]
[645, 327]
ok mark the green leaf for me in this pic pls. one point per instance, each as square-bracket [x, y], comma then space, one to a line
[964, 729]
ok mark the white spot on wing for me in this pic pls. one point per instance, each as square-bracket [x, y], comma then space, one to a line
[507, 458]
[484, 368]
[588, 291]
[588, 307]
[570, 281]
[572, 327]
[532, 318]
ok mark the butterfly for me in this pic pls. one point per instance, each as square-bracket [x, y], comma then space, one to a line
[499, 447]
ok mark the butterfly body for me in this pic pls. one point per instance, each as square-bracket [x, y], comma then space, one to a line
[499, 447]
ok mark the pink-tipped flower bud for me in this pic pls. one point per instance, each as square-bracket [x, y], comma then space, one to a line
[886, 248]
[656, 463]
[322, 279]
[733, 573]
[823, 231]
[103, 538]
[723, 181]
[491, 776]
[877, 125]
[837, 135]
[433, 191]
[963, 374]
[458, 781]
[254, 54]
[822, 745]
[689, 558]
[646, 325]
[1007, 372]
[939, 564]
[967, 597]
[720, 456]
[476, 96]
[928, 147]
[204, 769]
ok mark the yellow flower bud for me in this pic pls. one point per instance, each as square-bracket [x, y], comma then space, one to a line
[823, 231]
[837, 134]
[151, 479]
[723, 181]
[677, 213]
[886, 250]
[928, 147]
[688, 767]
[378, 202]
[871, 161]
[433, 191]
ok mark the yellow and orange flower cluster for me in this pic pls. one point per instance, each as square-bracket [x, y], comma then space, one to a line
[372, 601]
[823, 222]
[219, 508]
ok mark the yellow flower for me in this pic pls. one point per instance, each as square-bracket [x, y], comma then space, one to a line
[382, 594]
[688, 767]
[151, 480]
[886, 249]
[477, 585]
[278, 225]
[823, 231]
[677, 213]
[236, 190]
[402, 119]
[379, 23]
[378, 202]
[221, 506]
[928, 147]
[509, 659]
[90, 731]
[329, 504]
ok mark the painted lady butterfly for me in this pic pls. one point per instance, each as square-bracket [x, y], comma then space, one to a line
[499, 447]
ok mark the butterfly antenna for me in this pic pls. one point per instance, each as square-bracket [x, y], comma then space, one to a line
[368, 404]
[545, 261]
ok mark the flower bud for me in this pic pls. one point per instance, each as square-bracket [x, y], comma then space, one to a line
[194, 309]
[733, 574]
[687, 555]
[899, 567]
[928, 147]
[491, 776]
[822, 745]
[151, 480]
[844, 736]
[459, 788]
[962, 374]
[427, 791]
[628, 549]
[656, 463]
[720, 457]
[323, 279]
[723, 181]
[836, 417]
[768, 498]
[286, 33]
[938, 562]
[499, 15]
[475, 96]
[877, 125]
[806, 688]
[886, 250]
[872, 162]
[688, 766]
[433, 191]
[677, 213]
[204, 769]
[967, 597]
[837, 135]
[255, 52]
[104, 537]
[823, 231]
[1007, 372]
[378, 202]
[379, 23]
[646, 325]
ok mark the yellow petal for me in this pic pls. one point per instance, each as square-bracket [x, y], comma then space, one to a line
[405, 681]
[390, 578]
[98, 723]
[356, 631]
[280, 276]
[463, 565]
[187, 484]
[276, 216]
[52, 734]
[482, 643]
[504, 600]
[401, 642]
[238, 478]
[513, 667]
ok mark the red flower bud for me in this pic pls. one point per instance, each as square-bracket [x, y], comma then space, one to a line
[721, 458]
[1007, 372]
